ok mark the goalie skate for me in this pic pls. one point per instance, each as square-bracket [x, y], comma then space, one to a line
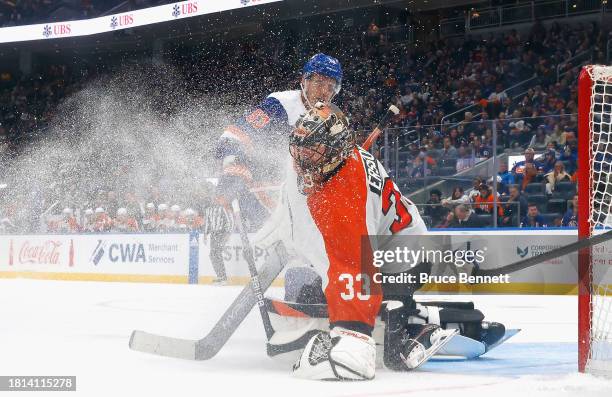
[416, 350]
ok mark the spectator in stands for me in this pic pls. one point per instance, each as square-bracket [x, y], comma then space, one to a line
[498, 97]
[475, 190]
[150, 218]
[480, 149]
[103, 222]
[193, 221]
[520, 133]
[533, 217]
[519, 167]
[552, 146]
[484, 201]
[133, 206]
[570, 154]
[124, 222]
[468, 124]
[547, 164]
[557, 136]
[423, 165]
[464, 217]
[164, 223]
[466, 157]
[88, 221]
[539, 141]
[456, 198]
[175, 216]
[434, 208]
[515, 208]
[557, 175]
[570, 218]
[373, 34]
[530, 172]
[68, 223]
[448, 150]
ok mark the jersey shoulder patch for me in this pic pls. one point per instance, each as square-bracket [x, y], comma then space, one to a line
[258, 119]
[370, 164]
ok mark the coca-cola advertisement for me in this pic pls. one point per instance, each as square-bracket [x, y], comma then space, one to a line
[34, 252]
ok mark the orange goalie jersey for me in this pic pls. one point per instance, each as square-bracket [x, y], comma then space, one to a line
[326, 228]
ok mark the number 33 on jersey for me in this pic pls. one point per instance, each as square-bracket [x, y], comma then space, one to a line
[328, 228]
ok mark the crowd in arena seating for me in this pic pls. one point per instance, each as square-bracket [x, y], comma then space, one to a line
[534, 193]
[150, 219]
[112, 212]
[427, 84]
[543, 118]
[446, 77]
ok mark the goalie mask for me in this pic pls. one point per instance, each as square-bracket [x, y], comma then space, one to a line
[319, 144]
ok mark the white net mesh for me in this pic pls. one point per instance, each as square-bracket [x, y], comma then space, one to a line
[600, 127]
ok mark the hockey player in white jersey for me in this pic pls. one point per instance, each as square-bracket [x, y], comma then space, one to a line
[249, 150]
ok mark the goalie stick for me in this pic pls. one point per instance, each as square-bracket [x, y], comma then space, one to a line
[392, 111]
[209, 346]
[552, 254]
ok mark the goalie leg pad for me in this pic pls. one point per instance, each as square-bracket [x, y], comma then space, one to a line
[341, 354]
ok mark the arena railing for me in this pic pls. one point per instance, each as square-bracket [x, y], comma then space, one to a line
[486, 219]
[513, 92]
[522, 13]
[576, 62]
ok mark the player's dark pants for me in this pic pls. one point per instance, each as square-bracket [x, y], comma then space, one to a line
[217, 242]
[253, 212]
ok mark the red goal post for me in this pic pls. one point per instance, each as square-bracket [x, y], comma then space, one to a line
[594, 214]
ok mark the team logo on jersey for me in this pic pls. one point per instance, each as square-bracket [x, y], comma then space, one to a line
[375, 180]
[258, 119]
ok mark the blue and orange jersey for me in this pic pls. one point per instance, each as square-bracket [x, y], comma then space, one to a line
[269, 124]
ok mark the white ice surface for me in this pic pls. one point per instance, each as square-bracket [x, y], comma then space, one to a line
[82, 329]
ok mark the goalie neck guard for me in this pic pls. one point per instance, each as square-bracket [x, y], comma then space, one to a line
[319, 144]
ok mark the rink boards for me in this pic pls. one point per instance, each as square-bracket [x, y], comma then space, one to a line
[184, 258]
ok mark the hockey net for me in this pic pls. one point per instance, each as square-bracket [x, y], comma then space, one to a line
[595, 216]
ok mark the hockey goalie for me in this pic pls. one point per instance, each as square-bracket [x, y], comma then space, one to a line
[335, 194]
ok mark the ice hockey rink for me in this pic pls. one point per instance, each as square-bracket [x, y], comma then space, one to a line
[82, 329]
